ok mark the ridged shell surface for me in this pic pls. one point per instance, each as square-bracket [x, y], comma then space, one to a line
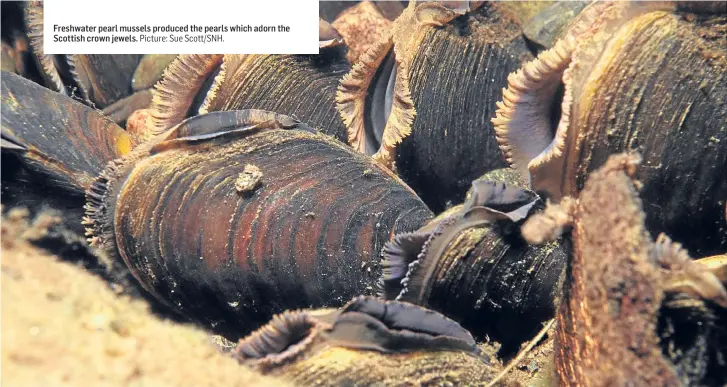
[452, 141]
[309, 234]
[303, 86]
[663, 93]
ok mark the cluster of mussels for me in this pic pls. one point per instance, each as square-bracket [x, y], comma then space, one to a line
[444, 185]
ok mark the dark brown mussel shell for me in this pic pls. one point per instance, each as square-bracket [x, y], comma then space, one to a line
[472, 264]
[100, 81]
[421, 99]
[302, 86]
[631, 76]
[51, 142]
[368, 341]
[231, 217]
[635, 311]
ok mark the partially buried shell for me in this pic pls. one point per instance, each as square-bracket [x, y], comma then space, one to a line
[367, 341]
[420, 100]
[636, 311]
[472, 264]
[307, 233]
[302, 86]
[630, 76]
[53, 142]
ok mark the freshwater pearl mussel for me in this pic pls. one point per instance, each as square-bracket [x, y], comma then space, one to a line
[239, 200]
[637, 311]
[645, 76]
[118, 84]
[336, 209]
[308, 232]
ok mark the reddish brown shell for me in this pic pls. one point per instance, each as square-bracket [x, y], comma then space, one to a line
[308, 233]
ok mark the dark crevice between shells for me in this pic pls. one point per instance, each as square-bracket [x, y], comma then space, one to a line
[15, 34]
[379, 101]
[693, 336]
[204, 91]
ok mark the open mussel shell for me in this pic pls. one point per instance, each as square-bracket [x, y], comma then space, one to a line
[367, 342]
[52, 142]
[630, 76]
[421, 99]
[635, 311]
[472, 265]
[231, 217]
[302, 86]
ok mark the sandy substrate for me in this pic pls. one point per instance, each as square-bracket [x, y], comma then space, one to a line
[62, 326]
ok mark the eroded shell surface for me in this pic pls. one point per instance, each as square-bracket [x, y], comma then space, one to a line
[308, 233]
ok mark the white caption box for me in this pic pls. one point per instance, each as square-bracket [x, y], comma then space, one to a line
[173, 27]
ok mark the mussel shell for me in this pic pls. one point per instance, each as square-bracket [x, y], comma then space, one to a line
[95, 79]
[105, 79]
[543, 28]
[622, 319]
[663, 95]
[471, 264]
[499, 286]
[150, 70]
[646, 78]
[681, 133]
[51, 142]
[456, 76]
[368, 341]
[309, 234]
[302, 86]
